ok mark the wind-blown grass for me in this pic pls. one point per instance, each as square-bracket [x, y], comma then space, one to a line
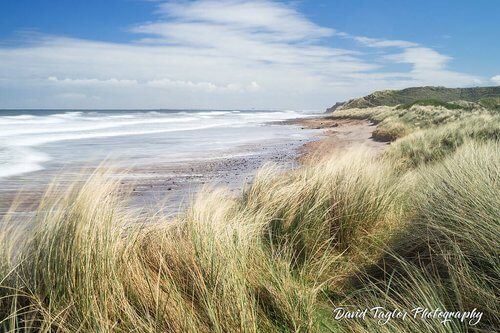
[447, 255]
[426, 133]
[433, 144]
[357, 230]
[260, 262]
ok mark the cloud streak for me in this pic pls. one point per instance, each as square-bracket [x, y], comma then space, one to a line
[496, 79]
[380, 43]
[216, 54]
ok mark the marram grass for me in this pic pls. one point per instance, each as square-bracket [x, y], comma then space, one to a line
[356, 231]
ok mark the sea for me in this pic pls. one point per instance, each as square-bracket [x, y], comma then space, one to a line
[38, 143]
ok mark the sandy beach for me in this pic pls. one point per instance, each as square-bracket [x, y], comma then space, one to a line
[173, 185]
[339, 135]
[159, 155]
[335, 137]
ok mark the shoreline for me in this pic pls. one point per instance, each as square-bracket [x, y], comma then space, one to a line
[173, 185]
[184, 180]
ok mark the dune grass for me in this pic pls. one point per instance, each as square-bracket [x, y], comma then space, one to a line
[261, 262]
[416, 94]
[425, 133]
[447, 256]
[356, 231]
[432, 144]
[430, 102]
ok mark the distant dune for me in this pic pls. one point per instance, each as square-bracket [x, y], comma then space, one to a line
[486, 96]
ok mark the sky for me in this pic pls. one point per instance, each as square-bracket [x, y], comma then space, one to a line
[235, 54]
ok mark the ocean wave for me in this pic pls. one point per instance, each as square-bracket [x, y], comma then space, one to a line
[21, 117]
[69, 114]
[31, 141]
[213, 113]
[90, 124]
[18, 160]
[21, 134]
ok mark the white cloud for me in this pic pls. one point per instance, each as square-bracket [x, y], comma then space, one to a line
[216, 54]
[202, 86]
[430, 67]
[422, 58]
[373, 42]
[273, 20]
[92, 82]
[253, 86]
[496, 79]
[75, 96]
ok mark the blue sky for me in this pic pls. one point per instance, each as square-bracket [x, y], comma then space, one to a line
[238, 54]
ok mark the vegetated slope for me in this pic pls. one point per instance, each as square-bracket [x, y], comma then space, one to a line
[486, 95]
[394, 122]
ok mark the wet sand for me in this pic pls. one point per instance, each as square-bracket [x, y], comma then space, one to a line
[174, 184]
[169, 185]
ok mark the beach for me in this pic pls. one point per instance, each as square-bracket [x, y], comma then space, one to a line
[338, 136]
[161, 157]
[173, 184]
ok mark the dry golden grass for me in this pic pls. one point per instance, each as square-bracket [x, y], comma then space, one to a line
[354, 230]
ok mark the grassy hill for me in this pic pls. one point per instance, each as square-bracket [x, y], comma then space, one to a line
[487, 96]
